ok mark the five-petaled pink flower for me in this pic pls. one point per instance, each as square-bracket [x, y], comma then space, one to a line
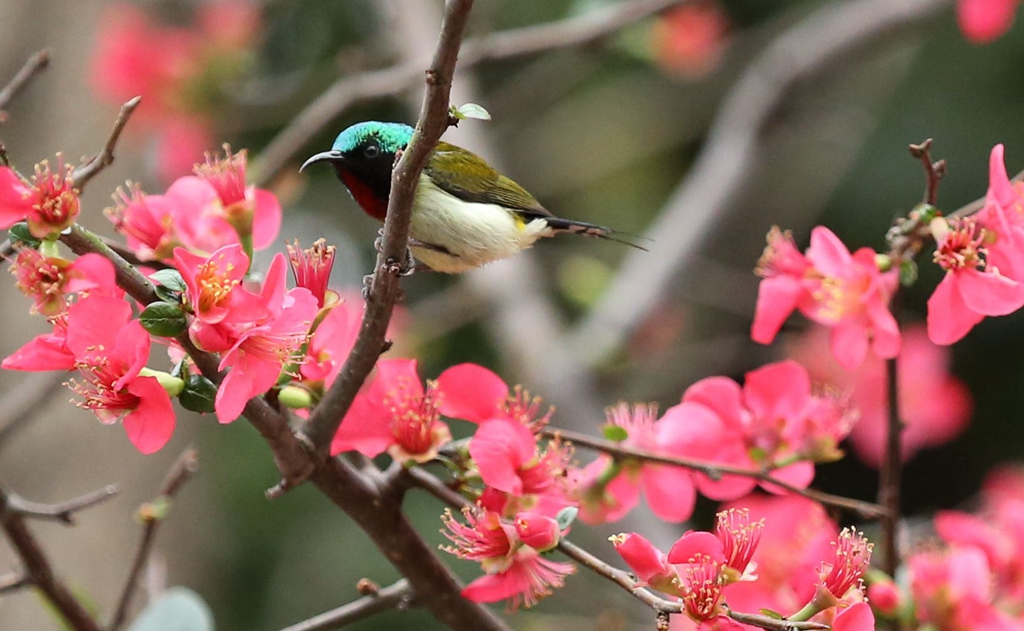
[49, 205]
[48, 280]
[830, 286]
[214, 292]
[110, 351]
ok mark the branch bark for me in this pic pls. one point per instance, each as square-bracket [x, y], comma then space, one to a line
[397, 596]
[64, 511]
[105, 158]
[33, 66]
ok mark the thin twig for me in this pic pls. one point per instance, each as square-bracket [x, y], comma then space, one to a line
[345, 92]
[933, 171]
[25, 402]
[40, 571]
[183, 469]
[398, 596]
[33, 66]
[774, 624]
[63, 511]
[385, 288]
[105, 158]
[14, 581]
[617, 450]
[729, 155]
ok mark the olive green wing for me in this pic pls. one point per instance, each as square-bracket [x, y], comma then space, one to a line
[467, 176]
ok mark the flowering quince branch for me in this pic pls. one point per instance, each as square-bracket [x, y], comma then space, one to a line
[39, 571]
[151, 515]
[712, 470]
[105, 158]
[62, 512]
[384, 289]
[33, 66]
[399, 595]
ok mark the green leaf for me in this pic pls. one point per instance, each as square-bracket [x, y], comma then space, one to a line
[908, 273]
[771, 614]
[198, 395]
[566, 516]
[472, 110]
[164, 319]
[169, 278]
[615, 433]
[19, 234]
[177, 609]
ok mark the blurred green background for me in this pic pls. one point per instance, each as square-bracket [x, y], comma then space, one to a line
[603, 133]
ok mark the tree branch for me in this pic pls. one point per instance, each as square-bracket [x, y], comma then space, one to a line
[151, 515]
[398, 596]
[105, 158]
[617, 450]
[384, 291]
[933, 171]
[63, 511]
[730, 152]
[33, 66]
[39, 570]
[346, 91]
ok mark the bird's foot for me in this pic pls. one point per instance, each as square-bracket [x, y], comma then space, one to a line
[404, 268]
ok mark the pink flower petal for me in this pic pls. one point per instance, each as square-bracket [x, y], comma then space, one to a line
[500, 448]
[990, 294]
[723, 396]
[266, 219]
[855, 618]
[232, 395]
[799, 474]
[669, 491]
[777, 297]
[41, 353]
[949, 319]
[777, 390]
[471, 392]
[15, 199]
[849, 343]
[828, 254]
[95, 322]
[150, 425]
[696, 543]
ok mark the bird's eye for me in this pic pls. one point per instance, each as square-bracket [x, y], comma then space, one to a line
[371, 151]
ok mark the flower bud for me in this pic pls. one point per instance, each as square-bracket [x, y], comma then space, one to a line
[538, 531]
[649, 564]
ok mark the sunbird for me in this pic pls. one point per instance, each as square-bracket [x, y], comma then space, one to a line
[465, 214]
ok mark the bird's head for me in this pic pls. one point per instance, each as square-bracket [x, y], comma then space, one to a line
[366, 150]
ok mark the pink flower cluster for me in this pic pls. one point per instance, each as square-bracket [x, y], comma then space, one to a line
[48, 204]
[774, 422]
[202, 212]
[777, 553]
[180, 72]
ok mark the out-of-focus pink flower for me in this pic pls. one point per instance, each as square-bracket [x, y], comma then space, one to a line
[311, 267]
[394, 414]
[110, 350]
[475, 394]
[857, 617]
[830, 286]
[261, 349]
[650, 564]
[232, 24]
[253, 212]
[935, 406]
[179, 144]
[690, 40]
[984, 21]
[48, 280]
[971, 289]
[49, 205]
[884, 595]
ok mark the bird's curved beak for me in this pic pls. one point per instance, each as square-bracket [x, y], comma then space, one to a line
[326, 156]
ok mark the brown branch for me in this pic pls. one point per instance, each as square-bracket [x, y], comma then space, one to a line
[25, 402]
[399, 596]
[343, 93]
[63, 511]
[933, 171]
[40, 572]
[151, 515]
[617, 450]
[623, 579]
[105, 158]
[774, 624]
[730, 154]
[384, 291]
[33, 66]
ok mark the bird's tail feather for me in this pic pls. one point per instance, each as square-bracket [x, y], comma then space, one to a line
[593, 230]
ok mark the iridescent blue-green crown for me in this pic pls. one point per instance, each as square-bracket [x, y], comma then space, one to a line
[390, 136]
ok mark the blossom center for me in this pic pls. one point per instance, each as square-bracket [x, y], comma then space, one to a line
[214, 285]
[962, 247]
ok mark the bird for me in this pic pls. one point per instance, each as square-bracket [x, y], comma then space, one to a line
[465, 213]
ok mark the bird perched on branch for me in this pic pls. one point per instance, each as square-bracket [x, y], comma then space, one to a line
[465, 213]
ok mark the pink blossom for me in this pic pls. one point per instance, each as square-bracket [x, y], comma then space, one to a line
[261, 349]
[830, 286]
[506, 454]
[253, 212]
[971, 289]
[851, 559]
[311, 267]
[49, 205]
[537, 530]
[984, 21]
[484, 538]
[110, 350]
[953, 588]
[48, 280]
[690, 40]
[884, 595]
[180, 142]
[732, 545]
[701, 590]
[214, 291]
[394, 414]
[935, 406]
[475, 394]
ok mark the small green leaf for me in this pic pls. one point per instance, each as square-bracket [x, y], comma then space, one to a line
[198, 395]
[774, 615]
[153, 511]
[615, 433]
[164, 319]
[20, 235]
[472, 110]
[169, 278]
[177, 609]
[908, 273]
[566, 516]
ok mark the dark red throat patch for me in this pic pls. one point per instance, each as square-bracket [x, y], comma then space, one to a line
[370, 202]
